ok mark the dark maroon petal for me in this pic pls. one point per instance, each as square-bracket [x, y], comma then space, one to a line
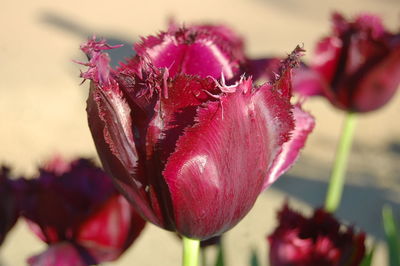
[9, 210]
[115, 113]
[129, 181]
[62, 254]
[177, 112]
[290, 151]
[223, 158]
[111, 230]
[190, 51]
[110, 122]
[57, 204]
[379, 85]
[264, 68]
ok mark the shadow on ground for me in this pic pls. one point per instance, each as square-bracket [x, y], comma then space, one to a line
[71, 26]
[361, 204]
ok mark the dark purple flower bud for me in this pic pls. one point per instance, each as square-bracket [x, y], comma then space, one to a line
[9, 210]
[75, 209]
[357, 67]
[190, 152]
[319, 240]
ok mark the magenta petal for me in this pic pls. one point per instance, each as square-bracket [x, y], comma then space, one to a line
[62, 254]
[304, 124]
[308, 82]
[370, 22]
[189, 51]
[327, 55]
[105, 234]
[223, 159]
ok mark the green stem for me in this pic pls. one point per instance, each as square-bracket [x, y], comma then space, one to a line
[336, 182]
[203, 257]
[191, 248]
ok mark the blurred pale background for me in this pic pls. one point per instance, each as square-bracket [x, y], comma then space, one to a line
[42, 108]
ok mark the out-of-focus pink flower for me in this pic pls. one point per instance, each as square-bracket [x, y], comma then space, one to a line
[9, 210]
[319, 240]
[189, 142]
[75, 209]
[357, 67]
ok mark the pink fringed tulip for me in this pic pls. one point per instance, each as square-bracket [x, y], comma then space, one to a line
[357, 67]
[316, 241]
[76, 210]
[8, 203]
[191, 152]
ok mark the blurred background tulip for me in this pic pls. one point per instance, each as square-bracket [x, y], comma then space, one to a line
[74, 208]
[315, 241]
[357, 67]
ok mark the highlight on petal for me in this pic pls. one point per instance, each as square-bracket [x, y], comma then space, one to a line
[290, 151]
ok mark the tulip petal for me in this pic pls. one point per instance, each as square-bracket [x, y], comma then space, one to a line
[105, 233]
[304, 124]
[327, 57]
[223, 159]
[379, 85]
[263, 68]
[189, 51]
[308, 82]
[319, 240]
[128, 182]
[62, 254]
[8, 203]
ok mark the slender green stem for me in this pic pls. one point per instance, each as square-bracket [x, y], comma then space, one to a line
[203, 257]
[191, 248]
[336, 182]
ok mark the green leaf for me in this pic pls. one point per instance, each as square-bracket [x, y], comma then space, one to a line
[392, 236]
[367, 260]
[254, 258]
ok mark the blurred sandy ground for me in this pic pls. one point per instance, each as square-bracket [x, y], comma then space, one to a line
[42, 108]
